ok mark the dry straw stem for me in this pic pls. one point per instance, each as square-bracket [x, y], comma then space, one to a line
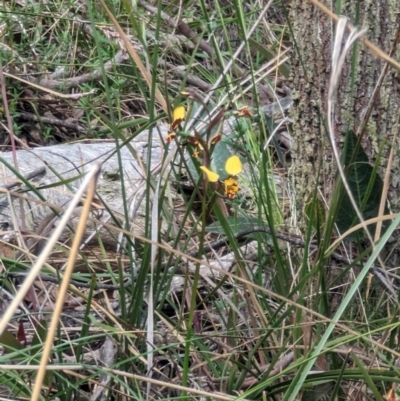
[368, 222]
[65, 283]
[135, 57]
[385, 190]
[338, 60]
[374, 49]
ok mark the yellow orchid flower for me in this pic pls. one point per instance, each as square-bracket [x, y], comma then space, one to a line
[233, 166]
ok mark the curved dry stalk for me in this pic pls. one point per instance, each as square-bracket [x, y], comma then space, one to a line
[92, 177]
[160, 98]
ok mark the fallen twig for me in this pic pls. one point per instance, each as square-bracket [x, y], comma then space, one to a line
[76, 283]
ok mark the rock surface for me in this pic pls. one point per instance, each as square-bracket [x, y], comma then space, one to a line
[54, 164]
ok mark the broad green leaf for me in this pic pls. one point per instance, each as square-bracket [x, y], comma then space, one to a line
[365, 183]
[10, 342]
[236, 224]
[239, 225]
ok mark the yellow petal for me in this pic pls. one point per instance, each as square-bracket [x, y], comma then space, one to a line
[233, 165]
[178, 116]
[212, 177]
[179, 113]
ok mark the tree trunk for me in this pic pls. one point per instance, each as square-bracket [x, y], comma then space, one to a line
[314, 34]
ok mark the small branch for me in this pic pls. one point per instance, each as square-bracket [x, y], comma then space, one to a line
[50, 120]
[56, 280]
[74, 82]
[28, 176]
[190, 78]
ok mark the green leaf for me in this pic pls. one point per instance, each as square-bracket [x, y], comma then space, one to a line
[220, 155]
[365, 184]
[10, 342]
[236, 224]
[369, 381]
[240, 224]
